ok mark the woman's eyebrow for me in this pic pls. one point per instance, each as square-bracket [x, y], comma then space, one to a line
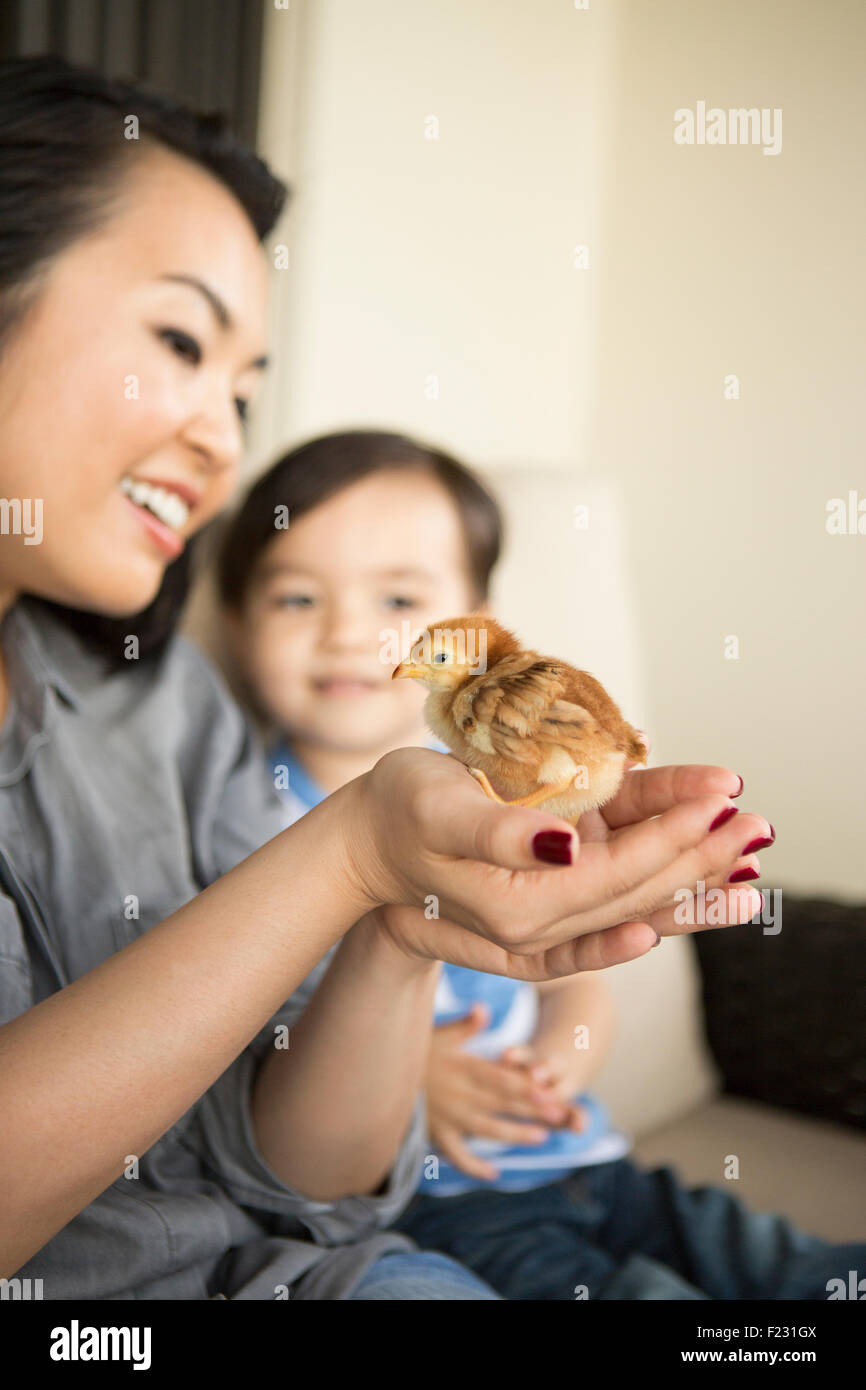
[220, 311]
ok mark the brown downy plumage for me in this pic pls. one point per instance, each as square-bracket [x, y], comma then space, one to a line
[533, 730]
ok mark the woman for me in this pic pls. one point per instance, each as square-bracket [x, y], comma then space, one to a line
[160, 1139]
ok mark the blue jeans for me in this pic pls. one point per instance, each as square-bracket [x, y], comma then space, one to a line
[421, 1274]
[616, 1231]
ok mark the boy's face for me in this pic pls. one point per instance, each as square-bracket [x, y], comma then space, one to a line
[386, 554]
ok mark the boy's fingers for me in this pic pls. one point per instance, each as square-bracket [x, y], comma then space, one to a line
[461, 1028]
[514, 1093]
[509, 1132]
[523, 1107]
[453, 1148]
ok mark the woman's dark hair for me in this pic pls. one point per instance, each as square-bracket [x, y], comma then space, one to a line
[63, 157]
[317, 470]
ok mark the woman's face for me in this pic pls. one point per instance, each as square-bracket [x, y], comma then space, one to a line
[126, 376]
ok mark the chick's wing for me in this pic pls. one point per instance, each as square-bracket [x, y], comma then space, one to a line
[518, 704]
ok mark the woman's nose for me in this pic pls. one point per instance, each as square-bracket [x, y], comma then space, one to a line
[216, 435]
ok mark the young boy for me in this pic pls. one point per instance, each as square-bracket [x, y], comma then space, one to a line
[529, 1184]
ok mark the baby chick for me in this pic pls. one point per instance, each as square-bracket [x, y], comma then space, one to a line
[532, 730]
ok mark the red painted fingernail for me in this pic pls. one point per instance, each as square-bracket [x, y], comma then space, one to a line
[723, 816]
[657, 942]
[552, 846]
[762, 843]
[742, 874]
[737, 793]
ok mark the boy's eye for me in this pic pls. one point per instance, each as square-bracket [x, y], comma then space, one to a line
[294, 601]
[181, 343]
[400, 601]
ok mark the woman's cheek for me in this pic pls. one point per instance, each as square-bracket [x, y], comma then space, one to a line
[155, 406]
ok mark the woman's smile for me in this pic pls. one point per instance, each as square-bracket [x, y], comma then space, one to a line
[161, 510]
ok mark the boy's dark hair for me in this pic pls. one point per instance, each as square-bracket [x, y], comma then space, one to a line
[63, 157]
[311, 473]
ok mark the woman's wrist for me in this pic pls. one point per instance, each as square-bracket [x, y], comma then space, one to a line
[340, 840]
[377, 944]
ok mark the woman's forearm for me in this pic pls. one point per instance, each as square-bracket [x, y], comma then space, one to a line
[104, 1067]
[331, 1111]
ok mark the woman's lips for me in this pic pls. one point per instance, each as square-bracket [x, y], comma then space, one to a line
[169, 542]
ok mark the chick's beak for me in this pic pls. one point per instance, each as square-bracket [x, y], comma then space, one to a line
[407, 668]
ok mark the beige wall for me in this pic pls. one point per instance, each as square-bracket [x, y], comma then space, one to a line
[453, 258]
[723, 260]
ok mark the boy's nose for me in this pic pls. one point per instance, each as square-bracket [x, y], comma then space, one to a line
[348, 632]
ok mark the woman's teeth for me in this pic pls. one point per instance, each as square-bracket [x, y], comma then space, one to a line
[167, 507]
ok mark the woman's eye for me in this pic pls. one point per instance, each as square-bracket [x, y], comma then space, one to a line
[181, 343]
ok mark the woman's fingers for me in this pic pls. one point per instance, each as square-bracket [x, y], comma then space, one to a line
[596, 951]
[747, 864]
[655, 789]
[637, 871]
[630, 940]
[460, 822]
[718, 907]
[712, 858]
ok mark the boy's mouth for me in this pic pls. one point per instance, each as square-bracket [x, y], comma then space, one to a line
[343, 687]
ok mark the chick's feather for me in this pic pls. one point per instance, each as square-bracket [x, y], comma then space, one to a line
[529, 720]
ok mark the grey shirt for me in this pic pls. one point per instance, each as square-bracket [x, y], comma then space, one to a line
[141, 786]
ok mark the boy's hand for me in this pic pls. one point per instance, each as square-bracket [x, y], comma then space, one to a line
[552, 1078]
[469, 1096]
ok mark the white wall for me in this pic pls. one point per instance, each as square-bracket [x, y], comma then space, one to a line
[453, 258]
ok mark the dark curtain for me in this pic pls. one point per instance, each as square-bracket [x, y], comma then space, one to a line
[202, 52]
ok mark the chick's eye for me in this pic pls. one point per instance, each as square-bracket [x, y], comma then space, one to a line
[181, 343]
[440, 657]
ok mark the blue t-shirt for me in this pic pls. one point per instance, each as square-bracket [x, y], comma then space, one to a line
[512, 1006]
